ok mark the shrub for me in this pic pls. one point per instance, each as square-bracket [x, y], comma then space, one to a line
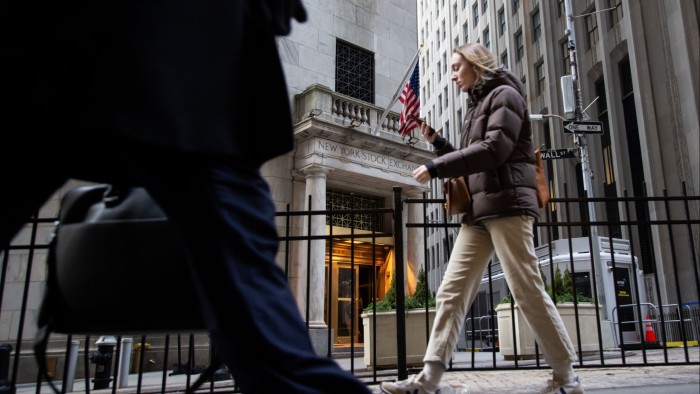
[419, 299]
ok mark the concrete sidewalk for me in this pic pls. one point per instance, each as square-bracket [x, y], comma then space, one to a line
[666, 379]
[613, 378]
[683, 379]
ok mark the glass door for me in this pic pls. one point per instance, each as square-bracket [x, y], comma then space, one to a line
[346, 325]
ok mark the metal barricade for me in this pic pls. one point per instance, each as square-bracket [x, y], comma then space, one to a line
[479, 334]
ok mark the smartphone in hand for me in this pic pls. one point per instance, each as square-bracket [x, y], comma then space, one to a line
[421, 121]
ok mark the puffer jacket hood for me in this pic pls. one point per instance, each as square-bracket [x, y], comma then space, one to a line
[496, 154]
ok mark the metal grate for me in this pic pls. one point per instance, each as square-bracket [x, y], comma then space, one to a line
[339, 201]
[354, 72]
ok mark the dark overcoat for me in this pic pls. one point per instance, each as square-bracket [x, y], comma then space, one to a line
[187, 75]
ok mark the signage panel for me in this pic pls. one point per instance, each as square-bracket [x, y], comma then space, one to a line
[583, 127]
[552, 154]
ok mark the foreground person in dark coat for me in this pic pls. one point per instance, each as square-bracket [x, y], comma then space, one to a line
[152, 93]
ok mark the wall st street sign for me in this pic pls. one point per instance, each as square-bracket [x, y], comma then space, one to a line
[583, 127]
[552, 154]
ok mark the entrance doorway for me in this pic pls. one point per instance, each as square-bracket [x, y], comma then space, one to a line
[351, 290]
[346, 320]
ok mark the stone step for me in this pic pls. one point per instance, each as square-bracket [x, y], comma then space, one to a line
[344, 351]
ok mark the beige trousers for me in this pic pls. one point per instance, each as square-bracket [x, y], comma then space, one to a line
[512, 240]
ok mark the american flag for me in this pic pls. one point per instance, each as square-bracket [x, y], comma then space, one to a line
[411, 104]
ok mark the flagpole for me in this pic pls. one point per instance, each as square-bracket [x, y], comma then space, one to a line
[398, 92]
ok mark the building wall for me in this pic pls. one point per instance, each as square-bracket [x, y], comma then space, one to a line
[386, 28]
[660, 40]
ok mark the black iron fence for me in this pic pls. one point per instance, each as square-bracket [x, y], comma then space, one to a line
[639, 266]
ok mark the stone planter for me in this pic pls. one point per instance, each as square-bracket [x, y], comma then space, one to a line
[416, 338]
[526, 339]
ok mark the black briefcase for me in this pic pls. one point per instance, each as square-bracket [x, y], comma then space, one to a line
[117, 266]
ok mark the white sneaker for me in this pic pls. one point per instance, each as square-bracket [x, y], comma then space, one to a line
[415, 384]
[553, 387]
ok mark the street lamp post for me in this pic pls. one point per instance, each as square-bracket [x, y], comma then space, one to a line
[580, 142]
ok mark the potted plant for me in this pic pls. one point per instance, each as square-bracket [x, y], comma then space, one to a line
[525, 340]
[385, 323]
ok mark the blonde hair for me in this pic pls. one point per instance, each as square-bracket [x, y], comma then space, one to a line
[479, 57]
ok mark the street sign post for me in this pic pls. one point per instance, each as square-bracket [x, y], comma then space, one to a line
[552, 154]
[583, 127]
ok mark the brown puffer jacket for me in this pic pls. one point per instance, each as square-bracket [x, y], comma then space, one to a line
[496, 153]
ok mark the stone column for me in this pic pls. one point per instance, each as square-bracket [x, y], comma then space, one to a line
[316, 188]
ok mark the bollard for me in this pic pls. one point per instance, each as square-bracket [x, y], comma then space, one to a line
[72, 363]
[125, 363]
[5, 351]
[103, 362]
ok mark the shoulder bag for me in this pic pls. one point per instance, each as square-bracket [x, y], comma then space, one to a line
[116, 266]
[457, 198]
[541, 180]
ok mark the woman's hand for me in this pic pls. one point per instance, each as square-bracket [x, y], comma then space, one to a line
[429, 133]
[421, 174]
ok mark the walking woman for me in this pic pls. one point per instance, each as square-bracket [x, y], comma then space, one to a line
[495, 155]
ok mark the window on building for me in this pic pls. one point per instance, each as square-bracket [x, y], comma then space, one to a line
[354, 71]
[539, 70]
[560, 8]
[484, 6]
[501, 21]
[454, 13]
[444, 30]
[519, 48]
[504, 59]
[536, 26]
[439, 73]
[465, 32]
[566, 56]
[487, 38]
[439, 104]
[610, 186]
[444, 92]
[516, 6]
[447, 123]
[464, 4]
[475, 14]
[616, 14]
[591, 29]
[437, 39]
[444, 63]
[455, 44]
